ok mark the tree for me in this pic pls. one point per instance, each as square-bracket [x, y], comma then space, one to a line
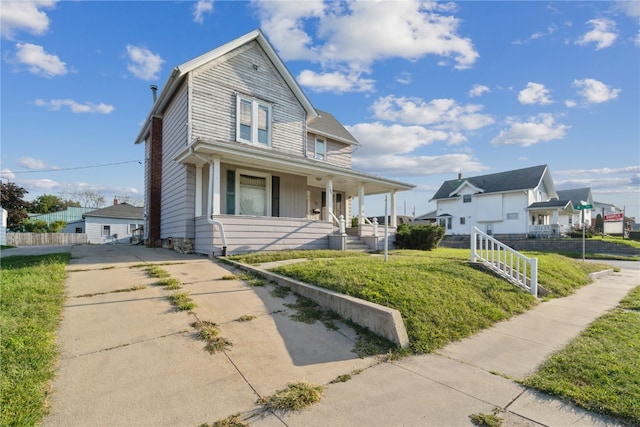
[87, 198]
[50, 203]
[12, 200]
[599, 224]
[41, 226]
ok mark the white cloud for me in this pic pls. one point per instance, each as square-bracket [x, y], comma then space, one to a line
[536, 129]
[335, 82]
[38, 61]
[438, 113]
[7, 174]
[570, 103]
[629, 8]
[594, 91]
[478, 90]
[378, 138]
[404, 78]
[31, 163]
[75, 107]
[201, 8]
[26, 16]
[395, 165]
[408, 29]
[635, 169]
[534, 93]
[603, 33]
[538, 35]
[144, 64]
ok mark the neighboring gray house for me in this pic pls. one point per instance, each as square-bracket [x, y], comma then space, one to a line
[238, 160]
[114, 224]
[518, 202]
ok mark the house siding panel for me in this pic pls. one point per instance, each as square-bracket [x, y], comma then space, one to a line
[118, 226]
[247, 234]
[338, 153]
[178, 181]
[214, 99]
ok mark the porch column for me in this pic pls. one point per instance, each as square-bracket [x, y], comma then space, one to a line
[554, 217]
[394, 219]
[198, 190]
[329, 192]
[216, 186]
[361, 204]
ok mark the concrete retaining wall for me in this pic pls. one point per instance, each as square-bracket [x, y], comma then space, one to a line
[383, 321]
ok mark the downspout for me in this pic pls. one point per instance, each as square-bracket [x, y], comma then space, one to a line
[210, 220]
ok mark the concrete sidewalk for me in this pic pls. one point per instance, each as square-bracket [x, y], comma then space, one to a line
[130, 359]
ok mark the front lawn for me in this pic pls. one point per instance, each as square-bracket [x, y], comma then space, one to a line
[441, 296]
[32, 292]
[600, 370]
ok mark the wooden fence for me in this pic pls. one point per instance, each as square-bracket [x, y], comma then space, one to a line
[44, 239]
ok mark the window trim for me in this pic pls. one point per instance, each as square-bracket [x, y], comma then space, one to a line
[106, 227]
[317, 153]
[256, 104]
[268, 183]
[466, 198]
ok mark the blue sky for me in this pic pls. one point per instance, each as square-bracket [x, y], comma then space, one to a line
[430, 89]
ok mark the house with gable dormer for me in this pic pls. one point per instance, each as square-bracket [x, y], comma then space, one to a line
[520, 202]
[578, 197]
[239, 160]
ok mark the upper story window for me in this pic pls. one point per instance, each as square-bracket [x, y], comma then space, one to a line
[466, 198]
[253, 121]
[321, 149]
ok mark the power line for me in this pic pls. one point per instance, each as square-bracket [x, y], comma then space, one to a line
[77, 167]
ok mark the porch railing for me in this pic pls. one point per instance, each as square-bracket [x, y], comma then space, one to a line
[342, 227]
[508, 263]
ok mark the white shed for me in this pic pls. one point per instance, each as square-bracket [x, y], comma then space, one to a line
[114, 224]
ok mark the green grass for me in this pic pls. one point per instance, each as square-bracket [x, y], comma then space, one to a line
[486, 420]
[441, 296]
[156, 272]
[262, 257]
[632, 300]
[182, 301]
[297, 396]
[599, 370]
[252, 279]
[32, 291]
[169, 283]
[209, 333]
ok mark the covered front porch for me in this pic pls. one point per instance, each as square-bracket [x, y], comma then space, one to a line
[253, 199]
[550, 219]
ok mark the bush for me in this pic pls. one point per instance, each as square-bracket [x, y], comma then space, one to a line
[422, 237]
[577, 233]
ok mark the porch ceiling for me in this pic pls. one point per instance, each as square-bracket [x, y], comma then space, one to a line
[317, 172]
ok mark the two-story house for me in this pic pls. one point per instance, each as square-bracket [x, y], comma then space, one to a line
[515, 203]
[239, 160]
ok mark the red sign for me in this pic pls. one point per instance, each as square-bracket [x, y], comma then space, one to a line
[614, 217]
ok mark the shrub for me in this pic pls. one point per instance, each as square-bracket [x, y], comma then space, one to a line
[577, 233]
[423, 237]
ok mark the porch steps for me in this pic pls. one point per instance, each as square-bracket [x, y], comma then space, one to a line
[352, 231]
[353, 243]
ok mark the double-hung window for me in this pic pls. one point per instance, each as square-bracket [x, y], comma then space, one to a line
[253, 191]
[321, 149]
[253, 121]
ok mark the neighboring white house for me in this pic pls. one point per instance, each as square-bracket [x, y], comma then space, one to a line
[239, 160]
[114, 224]
[517, 202]
[3, 226]
[577, 197]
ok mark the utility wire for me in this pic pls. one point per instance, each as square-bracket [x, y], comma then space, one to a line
[78, 167]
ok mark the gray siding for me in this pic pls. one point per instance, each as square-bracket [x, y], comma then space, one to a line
[338, 153]
[119, 227]
[248, 234]
[178, 181]
[214, 99]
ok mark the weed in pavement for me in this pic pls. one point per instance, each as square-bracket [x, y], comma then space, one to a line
[486, 420]
[245, 318]
[280, 291]
[229, 277]
[169, 283]
[252, 279]
[297, 396]
[182, 301]
[209, 333]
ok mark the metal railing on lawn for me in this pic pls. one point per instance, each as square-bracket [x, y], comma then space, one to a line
[507, 262]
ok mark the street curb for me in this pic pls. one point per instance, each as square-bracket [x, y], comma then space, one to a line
[599, 274]
[384, 321]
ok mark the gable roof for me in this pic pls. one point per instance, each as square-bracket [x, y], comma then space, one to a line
[555, 203]
[576, 195]
[178, 74]
[515, 180]
[121, 210]
[327, 125]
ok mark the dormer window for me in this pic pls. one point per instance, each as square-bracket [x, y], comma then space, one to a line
[321, 149]
[466, 198]
[253, 121]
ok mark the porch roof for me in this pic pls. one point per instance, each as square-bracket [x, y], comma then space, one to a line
[551, 205]
[317, 172]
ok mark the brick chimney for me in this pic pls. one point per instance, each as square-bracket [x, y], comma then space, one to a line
[115, 201]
